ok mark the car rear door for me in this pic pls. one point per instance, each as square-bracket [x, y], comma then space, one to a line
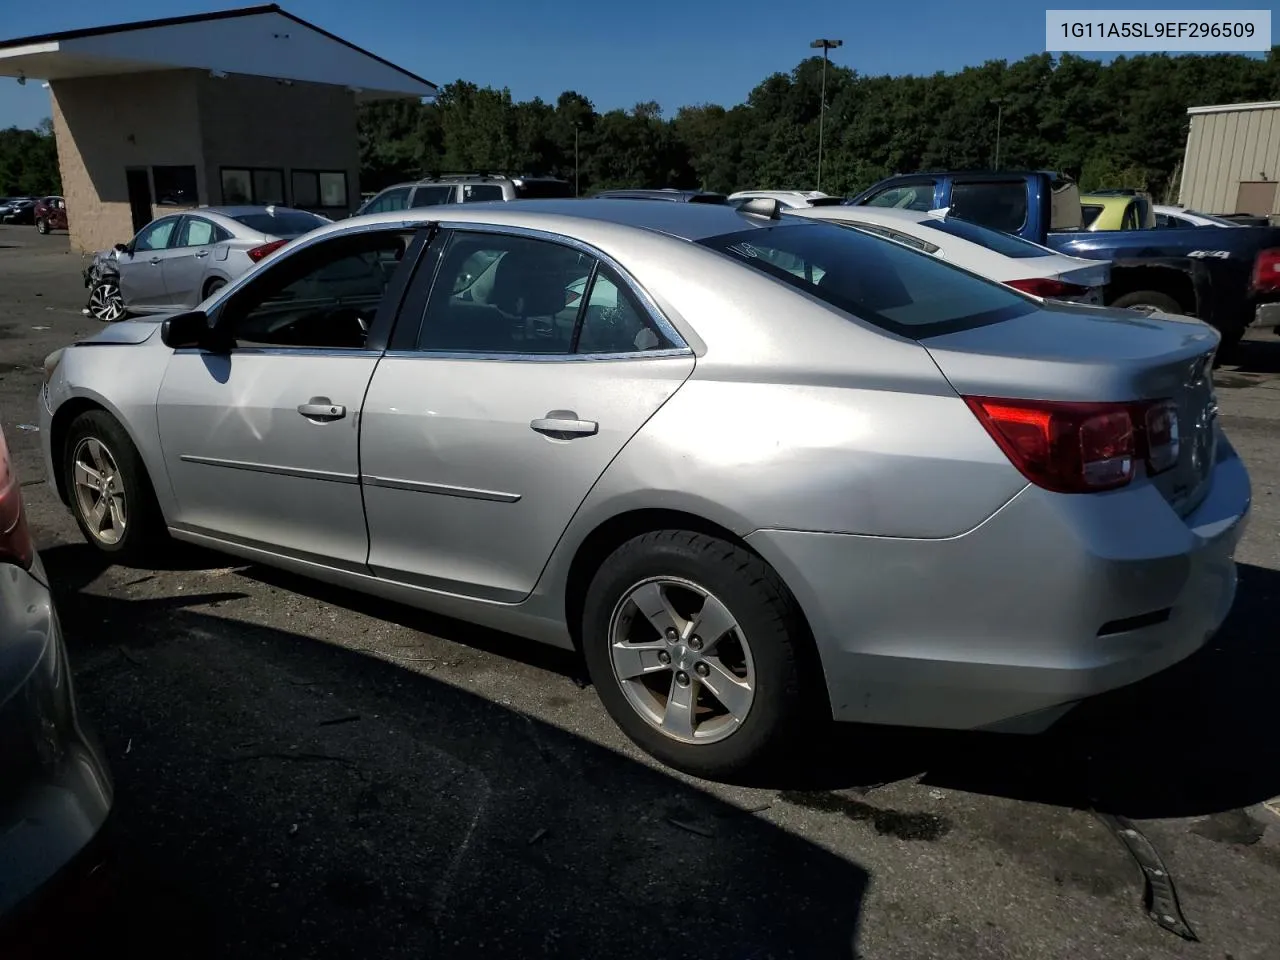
[506, 395]
[187, 261]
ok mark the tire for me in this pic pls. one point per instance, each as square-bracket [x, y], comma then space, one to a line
[763, 648]
[42, 226]
[1149, 298]
[213, 286]
[98, 441]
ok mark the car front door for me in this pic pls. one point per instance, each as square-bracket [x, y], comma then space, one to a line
[187, 260]
[490, 419]
[261, 441]
[141, 267]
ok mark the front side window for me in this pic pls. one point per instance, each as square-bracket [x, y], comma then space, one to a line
[998, 205]
[894, 287]
[907, 196]
[502, 294]
[155, 236]
[325, 296]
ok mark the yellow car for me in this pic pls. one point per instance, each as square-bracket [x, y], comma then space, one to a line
[1117, 210]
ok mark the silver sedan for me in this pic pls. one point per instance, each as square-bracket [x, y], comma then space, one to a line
[178, 260]
[753, 499]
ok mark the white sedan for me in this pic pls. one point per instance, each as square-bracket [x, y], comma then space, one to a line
[1018, 263]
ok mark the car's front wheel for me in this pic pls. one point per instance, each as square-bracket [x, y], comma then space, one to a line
[110, 492]
[693, 644]
[42, 225]
[106, 303]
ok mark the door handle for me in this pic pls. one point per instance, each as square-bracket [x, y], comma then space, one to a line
[564, 425]
[202, 253]
[322, 409]
[154, 260]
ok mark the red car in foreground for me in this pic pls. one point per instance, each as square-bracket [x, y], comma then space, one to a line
[51, 214]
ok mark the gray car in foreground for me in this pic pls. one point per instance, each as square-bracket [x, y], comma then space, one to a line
[178, 260]
[55, 791]
[763, 471]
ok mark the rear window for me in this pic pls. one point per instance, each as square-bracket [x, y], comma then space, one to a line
[895, 288]
[543, 190]
[283, 223]
[997, 204]
[1003, 243]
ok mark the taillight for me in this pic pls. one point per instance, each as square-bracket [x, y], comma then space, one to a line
[1266, 271]
[257, 253]
[15, 538]
[1047, 287]
[1081, 447]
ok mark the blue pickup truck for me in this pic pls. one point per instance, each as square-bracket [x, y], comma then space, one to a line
[1220, 274]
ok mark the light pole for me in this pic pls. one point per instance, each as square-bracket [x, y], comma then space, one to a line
[999, 102]
[577, 125]
[825, 46]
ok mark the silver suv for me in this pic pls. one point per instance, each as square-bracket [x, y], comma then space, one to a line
[464, 188]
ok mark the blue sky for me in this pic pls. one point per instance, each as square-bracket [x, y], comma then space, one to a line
[694, 51]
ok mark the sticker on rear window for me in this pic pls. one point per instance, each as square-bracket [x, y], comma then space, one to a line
[744, 250]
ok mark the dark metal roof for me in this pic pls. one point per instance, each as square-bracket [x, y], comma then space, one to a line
[204, 18]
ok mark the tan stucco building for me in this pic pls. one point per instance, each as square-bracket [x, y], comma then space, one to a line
[1232, 163]
[243, 106]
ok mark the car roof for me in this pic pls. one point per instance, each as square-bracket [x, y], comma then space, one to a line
[655, 193]
[1106, 200]
[685, 221]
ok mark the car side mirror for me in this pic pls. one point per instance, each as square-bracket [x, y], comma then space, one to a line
[192, 329]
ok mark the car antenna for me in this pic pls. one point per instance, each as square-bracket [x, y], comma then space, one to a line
[767, 207]
[940, 213]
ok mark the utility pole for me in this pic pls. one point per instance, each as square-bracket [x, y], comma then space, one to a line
[577, 125]
[825, 46]
[999, 102]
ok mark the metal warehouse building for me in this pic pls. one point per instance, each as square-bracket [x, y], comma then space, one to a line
[241, 106]
[1232, 163]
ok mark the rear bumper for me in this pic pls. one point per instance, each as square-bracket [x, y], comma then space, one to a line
[56, 793]
[1054, 599]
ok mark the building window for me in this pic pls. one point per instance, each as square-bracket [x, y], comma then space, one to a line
[175, 186]
[252, 185]
[320, 189]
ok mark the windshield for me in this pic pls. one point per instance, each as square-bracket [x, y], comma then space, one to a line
[894, 287]
[1003, 243]
[283, 223]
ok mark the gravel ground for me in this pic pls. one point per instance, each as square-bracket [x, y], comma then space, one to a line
[305, 772]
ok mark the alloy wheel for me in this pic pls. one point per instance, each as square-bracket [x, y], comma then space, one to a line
[106, 302]
[681, 659]
[99, 491]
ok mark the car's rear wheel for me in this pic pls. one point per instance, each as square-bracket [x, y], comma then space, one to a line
[110, 492]
[213, 286]
[692, 643]
[42, 225]
[106, 303]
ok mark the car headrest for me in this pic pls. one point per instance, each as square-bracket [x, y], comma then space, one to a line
[528, 285]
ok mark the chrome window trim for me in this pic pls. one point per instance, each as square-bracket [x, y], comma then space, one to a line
[537, 357]
[647, 303]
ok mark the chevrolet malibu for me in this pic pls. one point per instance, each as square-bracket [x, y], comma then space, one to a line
[762, 471]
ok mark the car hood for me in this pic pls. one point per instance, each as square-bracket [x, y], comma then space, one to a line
[125, 331]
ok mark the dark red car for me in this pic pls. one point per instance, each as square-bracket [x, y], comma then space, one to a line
[51, 214]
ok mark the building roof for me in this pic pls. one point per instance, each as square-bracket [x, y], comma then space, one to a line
[263, 41]
[1235, 107]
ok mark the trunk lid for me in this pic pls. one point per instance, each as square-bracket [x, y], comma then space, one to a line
[1082, 353]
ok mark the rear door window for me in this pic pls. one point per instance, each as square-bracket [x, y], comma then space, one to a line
[891, 286]
[434, 195]
[480, 192]
[998, 204]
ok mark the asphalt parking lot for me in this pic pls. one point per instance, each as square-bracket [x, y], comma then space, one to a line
[304, 772]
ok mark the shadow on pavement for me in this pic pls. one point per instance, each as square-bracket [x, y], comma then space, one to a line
[280, 796]
[1252, 356]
